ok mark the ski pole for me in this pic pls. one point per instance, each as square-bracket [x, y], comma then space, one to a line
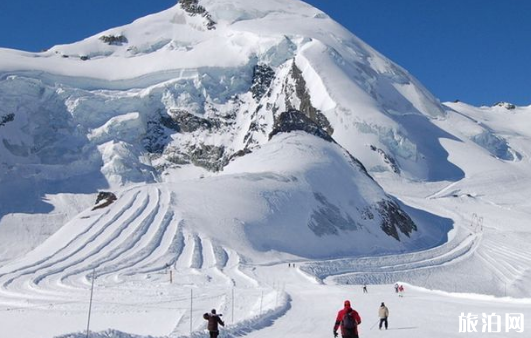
[372, 327]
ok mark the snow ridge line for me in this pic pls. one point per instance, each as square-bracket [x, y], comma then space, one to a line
[171, 255]
[197, 255]
[144, 253]
[124, 246]
[99, 248]
[439, 256]
[160, 242]
[36, 267]
[67, 245]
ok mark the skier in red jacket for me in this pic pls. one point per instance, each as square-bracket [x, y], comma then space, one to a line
[348, 319]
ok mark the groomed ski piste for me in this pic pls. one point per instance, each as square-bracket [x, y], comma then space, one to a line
[142, 240]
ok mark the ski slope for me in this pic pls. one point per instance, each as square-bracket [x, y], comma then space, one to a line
[137, 242]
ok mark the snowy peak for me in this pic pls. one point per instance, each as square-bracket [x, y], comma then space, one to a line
[199, 89]
[183, 27]
[158, 75]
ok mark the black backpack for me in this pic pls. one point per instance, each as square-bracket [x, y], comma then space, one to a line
[348, 322]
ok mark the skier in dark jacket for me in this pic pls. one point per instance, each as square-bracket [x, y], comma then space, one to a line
[213, 321]
[342, 322]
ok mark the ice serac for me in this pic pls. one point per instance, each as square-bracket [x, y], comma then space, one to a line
[189, 91]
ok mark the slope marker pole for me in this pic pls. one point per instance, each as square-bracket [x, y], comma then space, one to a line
[90, 303]
[261, 302]
[191, 309]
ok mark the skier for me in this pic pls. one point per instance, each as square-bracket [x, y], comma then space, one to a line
[348, 319]
[213, 321]
[396, 287]
[365, 288]
[400, 291]
[383, 313]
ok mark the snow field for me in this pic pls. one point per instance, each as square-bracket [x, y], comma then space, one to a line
[132, 249]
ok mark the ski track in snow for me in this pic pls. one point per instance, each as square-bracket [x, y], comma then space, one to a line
[133, 246]
[141, 237]
[387, 269]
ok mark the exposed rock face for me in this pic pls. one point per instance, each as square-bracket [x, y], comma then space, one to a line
[116, 40]
[209, 157]
[305, 101]
[107, 197]
[263, 75]
[193, 8]
[156, 137]
[394, 219]
[293, 120]
[282, 90]
[329, 219]
[182, 121]
[6, 118]
[159, 136]
[506, 105]
[391, 163]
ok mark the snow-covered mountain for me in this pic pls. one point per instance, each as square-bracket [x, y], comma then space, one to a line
[237, 66]
[187, 92]
[233, 138]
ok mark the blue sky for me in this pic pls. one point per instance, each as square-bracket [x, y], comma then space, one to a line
[477, 51]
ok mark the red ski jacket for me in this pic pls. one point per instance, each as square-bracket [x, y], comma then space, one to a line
[340, 316]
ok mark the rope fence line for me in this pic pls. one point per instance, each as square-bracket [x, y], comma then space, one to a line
[229, 298]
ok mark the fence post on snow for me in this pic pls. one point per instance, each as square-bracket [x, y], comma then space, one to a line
[232, 302]
[90, 303]
[261, 302]
[191, 309]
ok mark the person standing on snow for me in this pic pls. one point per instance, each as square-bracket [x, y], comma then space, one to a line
[401, 291]
[383, 313]
[213, 321]
[348, 319]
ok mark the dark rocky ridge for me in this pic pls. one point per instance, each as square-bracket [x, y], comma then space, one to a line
[263, 75]
[294, 120]
[6, 118]
[192, 7]
[306, 104]
[395, 219]
[387, 159]
[106, 196]
[114, 40]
